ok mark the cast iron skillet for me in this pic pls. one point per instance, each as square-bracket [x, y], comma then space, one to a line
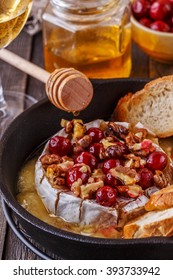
[31, 129]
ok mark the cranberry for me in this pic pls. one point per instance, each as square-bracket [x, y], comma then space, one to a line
[154, 14]
[145, 21]
[160, 26]
[96, 149]
[106, 196]
[75, 173]
[111, 180]
[110, 163]
[117, 150]
[88, 159]
[95, 133]
[160, 10]
[169, 21]
[157, 161]
[146, 178]
[60, 145]
[140, 8]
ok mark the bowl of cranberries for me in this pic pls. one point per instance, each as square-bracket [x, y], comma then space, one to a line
[152, 28]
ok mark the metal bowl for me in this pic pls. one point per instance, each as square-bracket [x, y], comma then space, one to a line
[25, 134]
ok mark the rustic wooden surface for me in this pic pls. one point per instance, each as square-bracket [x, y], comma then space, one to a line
[11, 248]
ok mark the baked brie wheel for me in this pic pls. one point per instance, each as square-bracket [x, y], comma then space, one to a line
[100, 173]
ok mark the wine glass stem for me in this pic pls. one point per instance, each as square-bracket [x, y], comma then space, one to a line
[3, 104]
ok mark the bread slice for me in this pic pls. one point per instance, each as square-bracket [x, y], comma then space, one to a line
[152, 106]
[154, 223]
[160, 200]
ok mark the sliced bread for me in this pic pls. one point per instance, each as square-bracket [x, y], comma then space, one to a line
[154, 223]
[152, 106]
[160, 200]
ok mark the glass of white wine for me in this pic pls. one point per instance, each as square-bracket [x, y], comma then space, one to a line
[13, 15]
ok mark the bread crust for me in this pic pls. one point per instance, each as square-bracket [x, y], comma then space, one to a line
[129, 231]
[160, 200]
[120, 112]
[127, 106]
[155, 228]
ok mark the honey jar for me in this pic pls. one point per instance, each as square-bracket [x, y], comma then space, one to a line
[91, 36]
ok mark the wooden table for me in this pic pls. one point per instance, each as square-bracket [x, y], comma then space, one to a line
[11, 248]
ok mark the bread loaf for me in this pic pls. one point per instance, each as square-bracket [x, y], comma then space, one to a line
[152, 106]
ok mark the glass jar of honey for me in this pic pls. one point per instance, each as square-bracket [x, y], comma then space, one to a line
[92, 36]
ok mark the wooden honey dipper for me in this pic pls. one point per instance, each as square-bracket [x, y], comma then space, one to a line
[69, 89]
[66, 88]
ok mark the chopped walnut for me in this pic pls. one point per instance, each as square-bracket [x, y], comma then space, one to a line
[111, 139]
[88, 190]
[68, 125]
[98, 174]
[143, 148]
[116, 150]
[79, 129]
[141, 133]
[107, 141]
[126, 170]
[66, 158]
[117, 130]
[138, 144]
[132, 191]
[103, 125]
[110, 134]
[59, 182]
[84, 168]
[50, 159]
[52, 169]
[134, 161]
[85, 141]
[77, 149]
[126, 175]
[160, 179]
[76, 187]
[53, 175]
[145, 152]
[56, 172]
[65, 165]
[91, 180]
[131, 139]
[74, 127]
